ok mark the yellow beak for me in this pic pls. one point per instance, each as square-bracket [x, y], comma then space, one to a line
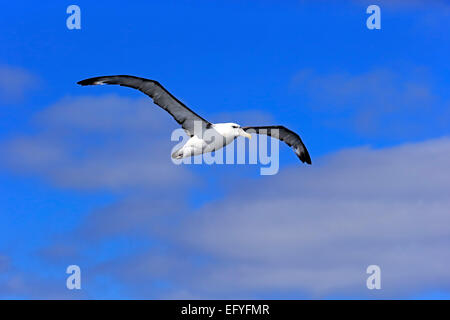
[245, 134]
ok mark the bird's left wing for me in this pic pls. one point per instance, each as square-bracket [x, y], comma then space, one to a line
[161, 97]
[284, 134]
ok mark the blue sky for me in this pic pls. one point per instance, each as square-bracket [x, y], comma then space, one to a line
[86, 176]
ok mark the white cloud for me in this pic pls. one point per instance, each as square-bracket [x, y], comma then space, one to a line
[309, 231]
[15, 83]
[377, 103]
[98, 143]
[316, 230]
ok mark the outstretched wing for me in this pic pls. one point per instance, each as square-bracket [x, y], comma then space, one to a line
[284, 134]
[163, 98]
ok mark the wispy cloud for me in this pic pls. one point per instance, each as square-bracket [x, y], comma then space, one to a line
[316, 230]
[105, 143]
[308, 232]
[15, 83]
[379, 102]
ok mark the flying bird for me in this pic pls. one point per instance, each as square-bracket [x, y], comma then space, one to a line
[204, 135]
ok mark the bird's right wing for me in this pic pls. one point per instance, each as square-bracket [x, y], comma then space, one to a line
[161, 97]
[284, 134]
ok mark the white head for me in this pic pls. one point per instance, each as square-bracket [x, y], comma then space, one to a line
[236, 130]
[231, 129]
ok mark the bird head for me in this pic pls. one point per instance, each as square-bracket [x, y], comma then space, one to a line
[238, 131]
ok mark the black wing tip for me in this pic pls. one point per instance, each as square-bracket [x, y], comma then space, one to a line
[111, 79]
[308, 161]
[91, 81]
[86, 82]
[304, 156]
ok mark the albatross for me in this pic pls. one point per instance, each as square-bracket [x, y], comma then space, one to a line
[204, 135]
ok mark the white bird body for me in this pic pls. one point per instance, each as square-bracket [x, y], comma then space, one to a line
[215, 138]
